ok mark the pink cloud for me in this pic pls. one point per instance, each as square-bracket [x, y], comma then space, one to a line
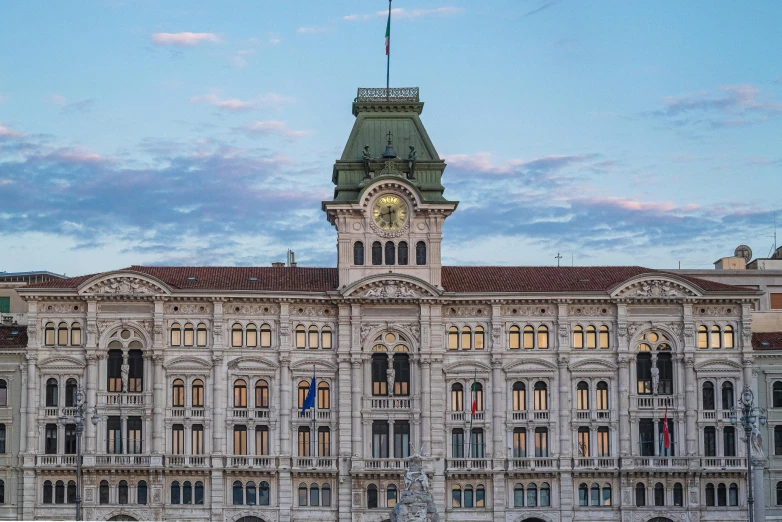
[272, 127]
[638, 206]
[183, 39]
[5, 132]
[269, 99]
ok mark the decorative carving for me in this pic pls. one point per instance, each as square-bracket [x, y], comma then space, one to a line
[188, 308]
[124, 285]
[716, 311]
[621, 330]
[465, 311]
[391, 290]
[416, 503]
[632, 328]
[656, 288]
[532, 310]
[382, 94]
[589, 310]
[366, 329]
[390, 234]
[251, 309]
[63, 308]
[313, 310]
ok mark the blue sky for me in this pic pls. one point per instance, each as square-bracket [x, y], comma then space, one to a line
[157, 132]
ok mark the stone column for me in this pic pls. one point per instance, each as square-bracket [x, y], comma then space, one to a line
[426, 406]
[91, 399]
[23, 409]
[32, 404]
[498, 412]
[759, 488]
[624, 406]
[565, 437]
[691, 406]
[220, 404]
[356, 382]
[285, 405]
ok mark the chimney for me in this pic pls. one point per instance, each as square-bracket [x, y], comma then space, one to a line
[291, 258]
[278, 264]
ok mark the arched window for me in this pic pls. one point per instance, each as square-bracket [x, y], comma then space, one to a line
[238, 493]
[48, 337]
[479, 338]
[190, 334]
[532, 495]
[201, 334]
[594, 494]
[304, 388]
[578, 337]
[604, 339]
[250, 493]
[733, 495]
[263, 493]
[607, 494]
[659, 494]
[301, 337]
[601, 396]
[519, 396]
[708, 395]
[178, 393]
[716, 337]
[582, 396]
[722, 495]
[313, 337]
[3, 393]
[456, 497]
[123, 491]
[199, 492]
[76, 334]
[240, 393]
[545, 495]
[514, 338]
[776, 393]
[103, 492]
[541, 396]
[70, 393]
[371, 496]
[358, 253]
[727, 337]
[141, 492]
[62, 334]
[583, 494]
[325, 338]
[314, 494]
[466, 338]
[251, 335]
[261, 394]
[325, 495]
[176, 334]
[303, 494]
[47, 492]
[70, 496]
[175, 491]
[468, 499]
[591, 337]
[390, 250]
[640, 495]
[266, 336]
[420, 253]
[529, 337]
[518, 495]
[377, 253]
[324, 396]
[453, 338]
[542, 337]
[402, 253]
[457, 397]
[59, 492]
[198, 393]
[237, 335]
[678, 494]
[709, 494]
[52, 393]
[728, 401]
[703, 337]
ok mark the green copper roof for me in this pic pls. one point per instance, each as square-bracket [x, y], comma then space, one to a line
[380, 112]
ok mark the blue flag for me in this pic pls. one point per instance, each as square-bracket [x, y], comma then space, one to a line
[309, 401]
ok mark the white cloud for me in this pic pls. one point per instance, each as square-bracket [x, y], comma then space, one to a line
[272, 127]
[183, 39]
[239, 58]
[312, 30]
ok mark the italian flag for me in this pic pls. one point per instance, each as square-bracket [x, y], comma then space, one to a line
[666, 434]
[388, 29]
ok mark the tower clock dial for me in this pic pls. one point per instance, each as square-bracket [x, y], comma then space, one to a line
[389, 212]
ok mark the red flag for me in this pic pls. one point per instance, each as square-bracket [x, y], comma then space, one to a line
[666, 435]
[474, 395]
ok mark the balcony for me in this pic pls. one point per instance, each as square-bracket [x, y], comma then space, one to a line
[388, 403]
[722, 463]
[464, 416]
[592, 415]
[55, 461]
[121, 399]
[320, 415]
[517, 416]
[714, 415]
[187, 461]
[584, 463]
[468, 464]
[122, 460]
[661, 462]
[315, 463]
[379, 464]
[651, 402]
[250, 462]
[186, 413]
[532, 464]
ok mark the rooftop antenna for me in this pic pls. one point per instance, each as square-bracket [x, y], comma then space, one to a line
[388, 49]
[774, 246]
[558, 257]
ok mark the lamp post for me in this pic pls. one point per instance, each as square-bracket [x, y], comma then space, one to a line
[78, 421]
[750, 416]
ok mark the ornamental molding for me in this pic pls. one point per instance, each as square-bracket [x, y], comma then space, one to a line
[398, 184]
[718, 365]
[318, 311]
[590, 310]
[532, 310]
[592, 365]
[61, 362]
[267, 516]
[306, 365]
[250, 309]
[391, 286]
[132, 514]
[675, 330]
[390, 289]
[390, 234]
[470, 367]
[643, 516]
[62, 308]
[126, 283]
[532, 515]
[187, 362]
[529, 365]
[251, 362]
[466, 311]
[717, 311]
[653, 286]
[188, 308]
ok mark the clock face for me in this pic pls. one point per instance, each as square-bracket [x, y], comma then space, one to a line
[389, 212]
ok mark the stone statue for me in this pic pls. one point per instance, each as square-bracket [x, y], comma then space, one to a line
[416, 503]
[365, 155]
[756, 444]
[411, 162]
[125, 372]
[655, 378]
[390, 376]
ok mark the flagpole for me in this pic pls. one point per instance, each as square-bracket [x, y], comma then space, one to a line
[473, 397]
[388, 50]
[314, 417]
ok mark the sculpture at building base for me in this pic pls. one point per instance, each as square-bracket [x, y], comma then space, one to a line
[416, 503]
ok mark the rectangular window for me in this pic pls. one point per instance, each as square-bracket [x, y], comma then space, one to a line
[777, 440]
[5, 305]
[729, 441]
[457, 443]
[401, 439]
[380, 439]
[670, 451]
[324, 442]
[603, 442]
[70, 439]
[476, 443]
[401, 375]
[519, 442]
[261, 440]
[135, 445]
[646, 437]
[304, 442]
[51, 439]
[2, 438]
[178, 439]
[197, 439]
[379, 367]
[541, 442]
[240, 440]
[643, 367]
[136, 375]
[776, 301]
[114, 370]
[583, 442]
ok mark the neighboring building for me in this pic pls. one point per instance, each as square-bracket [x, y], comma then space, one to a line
[13, 309]
[13, 376]
[198, 375]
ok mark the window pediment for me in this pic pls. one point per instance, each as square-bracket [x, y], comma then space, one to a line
[252, 363]
[592, 365]
[307, 365]
[61, 362]
[529, 366]
[126, 283]
[718, 365]
[391, 286]
[653, 286]
[187, 363]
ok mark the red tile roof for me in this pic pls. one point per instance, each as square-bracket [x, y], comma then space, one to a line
[13, 337]
[462, 279]
[767, 341]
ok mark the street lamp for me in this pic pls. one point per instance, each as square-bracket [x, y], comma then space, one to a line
[749, 416]
[78, 421]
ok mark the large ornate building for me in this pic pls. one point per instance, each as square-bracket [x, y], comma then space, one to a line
[533, 393]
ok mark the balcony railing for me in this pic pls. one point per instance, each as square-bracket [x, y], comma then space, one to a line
[467, 464]
[532, 463]
[595, 463]
[517, 415]
[186, 412]
[388, 403]
[121, 399]
[188, 461]
[321, 415]
[650, 402]
[540, 415]
[122, 460]
[592, 415]
[247, 413]
[248, 461]
[384, 464]
[660, 462]
[55, 460]
[710, 415]
[396, 94]
[723, 463]
[464, 416]
[316, 463]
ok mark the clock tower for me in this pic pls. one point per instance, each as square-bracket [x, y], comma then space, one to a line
[388, 206]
